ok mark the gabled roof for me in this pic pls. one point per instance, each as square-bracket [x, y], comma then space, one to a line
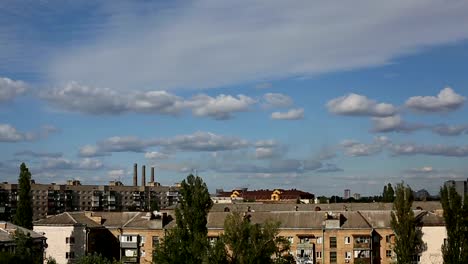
[293, 219]
[68, 219]
[9, 229]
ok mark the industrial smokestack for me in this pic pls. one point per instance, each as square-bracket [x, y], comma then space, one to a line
[143, 175]
[152, 174]
[135, 175]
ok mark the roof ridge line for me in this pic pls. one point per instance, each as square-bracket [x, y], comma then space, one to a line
[74, 220]
[131, 219]
[365, 220]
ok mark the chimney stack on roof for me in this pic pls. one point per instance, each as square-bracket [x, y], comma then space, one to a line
[135, 175]
[152, 174]
[143, 175]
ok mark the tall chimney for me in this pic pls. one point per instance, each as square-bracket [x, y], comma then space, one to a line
[152, 174]
[143, 175]
[135, 175]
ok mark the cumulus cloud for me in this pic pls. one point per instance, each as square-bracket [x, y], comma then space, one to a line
[154, 155]
[116, 174]
[447, 100]
[267, 149]
[393, 124]
[450, 130]
[220, 107]
[9, 133]
[196, 142]
[277, 100]
[354, 148]
[66, 164]
[203, 141]
[293, 114]
[35, 154]
[359, 105]
[75, 97]
[433, 150]
[10, 89]
[217, 43]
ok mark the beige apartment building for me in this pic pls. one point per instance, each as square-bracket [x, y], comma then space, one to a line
[318, 237]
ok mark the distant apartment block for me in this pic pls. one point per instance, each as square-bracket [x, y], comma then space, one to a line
[276, 195]
[460, 186]
[347, 194]
[51, 199]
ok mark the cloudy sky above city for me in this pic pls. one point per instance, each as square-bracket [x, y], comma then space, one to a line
[314, 95]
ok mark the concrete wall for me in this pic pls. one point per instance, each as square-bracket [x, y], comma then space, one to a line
[434, 237]
[56, 241]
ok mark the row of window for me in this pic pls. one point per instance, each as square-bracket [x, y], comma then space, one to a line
[333, 241]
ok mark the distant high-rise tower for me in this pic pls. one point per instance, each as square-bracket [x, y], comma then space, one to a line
[347, 194]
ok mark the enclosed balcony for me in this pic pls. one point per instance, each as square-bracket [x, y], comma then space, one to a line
[362, 242]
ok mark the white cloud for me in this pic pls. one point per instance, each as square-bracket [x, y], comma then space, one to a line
[116, 174]
[432, 150]
[216, 43]
[89, 151]
[450, 130]
[203, 141]
[359, 105]
[277, 100]
[394, 124]
[66, 164]
[154, 155]
[9, 133]
[292, 114]
[221, 106]
[10, 89]
[447, 100]
[354, 148]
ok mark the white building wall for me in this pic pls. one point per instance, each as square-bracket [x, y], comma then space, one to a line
[56, 242]
[434, 237]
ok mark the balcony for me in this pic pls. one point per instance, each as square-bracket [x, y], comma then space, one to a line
[362, 260]
[129, 244]
[362, 242]
[126, 259]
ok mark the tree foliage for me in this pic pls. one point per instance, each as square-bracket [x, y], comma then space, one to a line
[408, 241]
[94, 259]
[388, 194]
[24, 211]
[253, 243]
[188, 241]
[25, 251]
[455, 250]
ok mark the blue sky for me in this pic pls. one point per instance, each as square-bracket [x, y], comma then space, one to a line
[318, 96]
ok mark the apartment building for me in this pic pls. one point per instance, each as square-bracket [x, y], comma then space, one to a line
[316, 237]
[51, 199]
[126, 236]
[7, 240]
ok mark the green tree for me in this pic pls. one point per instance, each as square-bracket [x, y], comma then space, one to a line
[455, 250]
[188, 241]
[408, 240]
[254, 243]
[95, 259]
[24, 211]
[388, 194]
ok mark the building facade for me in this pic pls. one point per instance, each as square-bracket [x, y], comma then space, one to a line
[51, 199]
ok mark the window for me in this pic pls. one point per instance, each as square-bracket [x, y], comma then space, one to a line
[70, 255]
[332, 257]
[388, 239]
[416, 258]
[142, 240]
[70, 240]
[347, 255]
[304, 240]
[319, 240]
[129, 238]
[291, 240]
[388, 253]
[332, 242]
[155, 241]
[318, 254]
[347, 240]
